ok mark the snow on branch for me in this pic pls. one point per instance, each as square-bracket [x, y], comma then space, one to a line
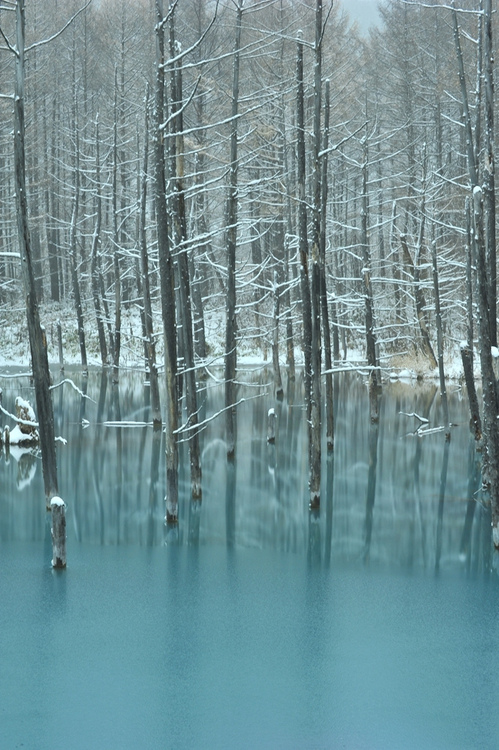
[196, 44]
[68, 380]
[61, 31]
[25, 422]
[423, 420]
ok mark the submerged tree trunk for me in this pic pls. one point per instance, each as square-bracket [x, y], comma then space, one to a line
[180, 222]
[489, 385]
[37, 338]
[489, 197]
[326, 330]
[316, 281]
[167, 284]
[116, 252]
[302, 235]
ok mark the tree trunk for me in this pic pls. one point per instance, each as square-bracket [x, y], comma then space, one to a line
[489, 385]
[74, 255]
[275, 340]
[420, 302]
[475, 421]
[94, 264]
[489, 198]
[116, 250]
[37, 338]
[302, 236]
[58, 508]
[180, 221]
[231, 322]
[167, 285]
[374, 380]
[440, 339]
[316, 282]
[146, 287]
[326, 331]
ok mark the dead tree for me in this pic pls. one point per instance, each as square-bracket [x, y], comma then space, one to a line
[37, 339]
[231, 240]
[146, 286]
[166, 275]
[176, 141]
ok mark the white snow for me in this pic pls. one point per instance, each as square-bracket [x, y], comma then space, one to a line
[57, 501]
[16, 437]
[29, 413]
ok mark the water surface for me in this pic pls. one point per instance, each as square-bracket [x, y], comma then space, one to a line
[373, 625]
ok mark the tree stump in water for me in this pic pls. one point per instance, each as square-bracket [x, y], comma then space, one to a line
[58, 508]
[24, 412]
[271, 420]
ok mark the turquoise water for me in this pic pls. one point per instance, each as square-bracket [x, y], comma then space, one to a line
[188, 648]
[374, 625]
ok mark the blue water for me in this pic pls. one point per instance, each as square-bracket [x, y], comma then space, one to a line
[181, 647]
[372, 626]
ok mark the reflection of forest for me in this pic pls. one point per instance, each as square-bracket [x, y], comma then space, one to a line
[389, 495]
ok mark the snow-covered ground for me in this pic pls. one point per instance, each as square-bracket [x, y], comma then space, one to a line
[14, 345]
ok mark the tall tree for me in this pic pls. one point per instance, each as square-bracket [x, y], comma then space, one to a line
[37, 338]
[167, 278]
[231, 241]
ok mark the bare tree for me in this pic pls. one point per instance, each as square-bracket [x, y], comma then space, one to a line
[37, 338]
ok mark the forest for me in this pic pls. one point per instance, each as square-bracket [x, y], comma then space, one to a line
[251, 176]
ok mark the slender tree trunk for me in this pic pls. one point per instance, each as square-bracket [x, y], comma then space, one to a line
[146, 286]
[74, 257]
[374, 380]
[489, 385]
[485, 275]
[302, 236]
[316, 284]
[94, 264]
[116, 252]
[37, 338]
[50, 219]
[326, 331]
[180, 221]
[489, 197]
[278, 390]
[231, 322]
[286, 296]
[440, 339]
[167, 284]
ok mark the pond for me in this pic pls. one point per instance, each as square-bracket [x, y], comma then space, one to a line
[373, 624]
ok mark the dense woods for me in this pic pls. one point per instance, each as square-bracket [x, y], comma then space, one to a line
[264, 169]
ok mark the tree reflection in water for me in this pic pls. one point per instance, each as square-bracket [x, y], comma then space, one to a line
[390, 496]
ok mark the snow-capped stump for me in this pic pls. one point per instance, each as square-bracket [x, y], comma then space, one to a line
[58, 508]
[26, 418]
[271, 419]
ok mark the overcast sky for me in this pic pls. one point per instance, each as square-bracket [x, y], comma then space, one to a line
[363, 11]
